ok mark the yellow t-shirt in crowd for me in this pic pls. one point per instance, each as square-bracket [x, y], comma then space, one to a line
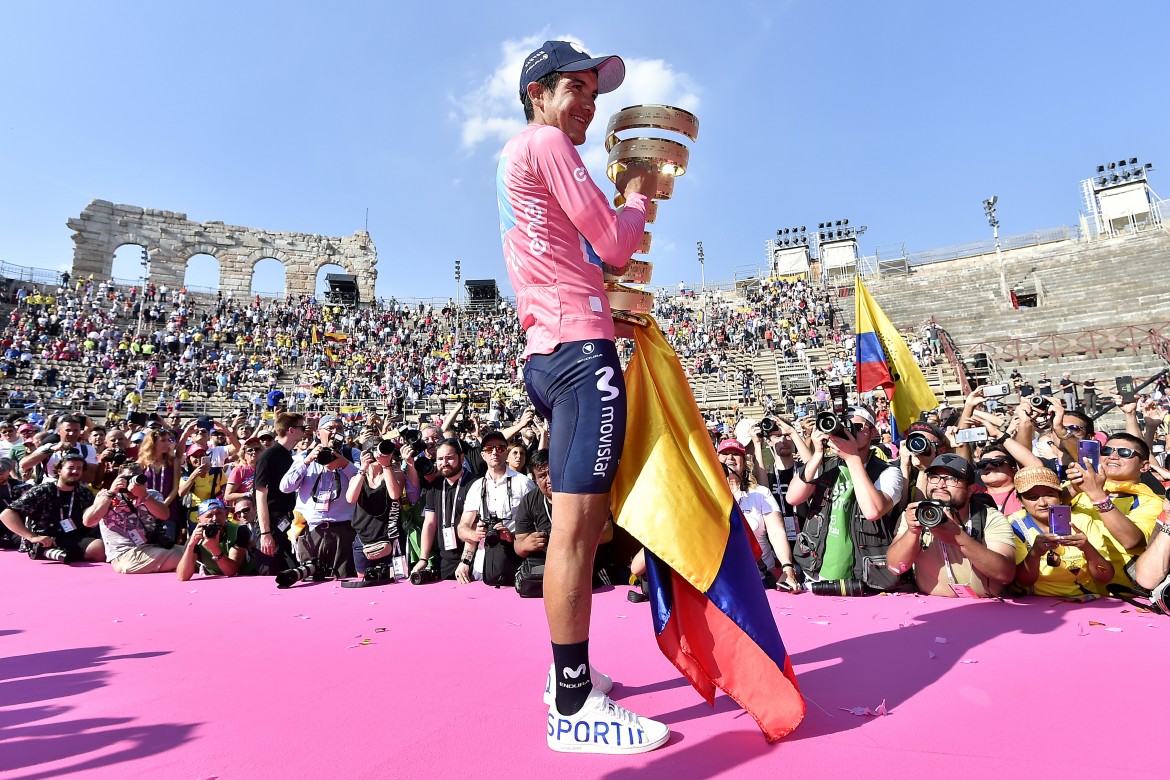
[1071, 579]
[1137, 502]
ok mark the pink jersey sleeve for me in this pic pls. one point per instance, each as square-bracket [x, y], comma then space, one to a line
[613, 236]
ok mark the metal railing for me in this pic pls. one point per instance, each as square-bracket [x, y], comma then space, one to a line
[875, 264]
[1088, 343]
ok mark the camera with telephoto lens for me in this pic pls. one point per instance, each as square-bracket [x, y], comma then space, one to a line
[114, 456]
[386, 447]
[309, 570]
[835, 421]
[930, 513]
[38, 552]
[423, 577]
[410, 435]
[918, 444]
[838, 588]
[210, 530]
[493, 535]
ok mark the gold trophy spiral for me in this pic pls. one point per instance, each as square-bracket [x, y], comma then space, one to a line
[670, 158]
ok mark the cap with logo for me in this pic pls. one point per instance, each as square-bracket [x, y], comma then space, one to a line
[731, 445]
[953, 464]
[566, 57]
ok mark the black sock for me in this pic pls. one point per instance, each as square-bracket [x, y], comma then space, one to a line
[571, 670]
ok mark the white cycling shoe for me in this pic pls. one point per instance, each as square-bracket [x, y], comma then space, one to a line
[601, 726]
[601, 682]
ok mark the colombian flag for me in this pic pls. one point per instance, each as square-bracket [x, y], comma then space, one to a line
[885, 362]
[335, 338]
[710, 612]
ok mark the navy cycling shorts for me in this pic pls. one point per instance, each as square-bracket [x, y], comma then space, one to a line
[580, 388]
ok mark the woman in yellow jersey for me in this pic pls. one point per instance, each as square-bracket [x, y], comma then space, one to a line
[1071, 566]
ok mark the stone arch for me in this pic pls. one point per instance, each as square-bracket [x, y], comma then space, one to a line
[172, 239]
[201, 272]
[268, 289]
[126, 266]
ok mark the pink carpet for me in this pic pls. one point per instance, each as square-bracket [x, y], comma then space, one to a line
[104, 675]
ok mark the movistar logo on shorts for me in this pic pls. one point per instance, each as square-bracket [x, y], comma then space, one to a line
[605, 433]
[603, 384]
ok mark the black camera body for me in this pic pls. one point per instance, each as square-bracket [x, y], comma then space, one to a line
[1040, 403]
[768, 426]
[326, 455]
[931, 513]
[423, 577]
[836, 421]
[386, 447]
[379, 572]
[211, 530]
[493, 535]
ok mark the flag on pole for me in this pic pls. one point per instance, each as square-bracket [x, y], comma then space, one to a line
[885, 363]
[710, 611]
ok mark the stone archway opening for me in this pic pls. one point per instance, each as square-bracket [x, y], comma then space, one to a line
[268, 278]
[127, 268]
[321, 288]
[202, 274]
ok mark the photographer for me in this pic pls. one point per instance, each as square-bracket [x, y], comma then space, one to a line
[957, 547]
[212, 535]
[487, 515]
[786, 443]
[924, 442]
[320, 480]
[848, 502]
[49, 515]
[444, 509]
[129, 516]
[44, 459]
[376, 495]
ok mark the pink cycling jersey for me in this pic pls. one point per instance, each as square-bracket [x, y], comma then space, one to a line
[557, 228]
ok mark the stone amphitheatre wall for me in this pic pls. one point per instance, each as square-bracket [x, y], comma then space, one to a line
[171, 240]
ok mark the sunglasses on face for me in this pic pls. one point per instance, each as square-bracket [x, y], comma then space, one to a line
[1121, 452]
[495, 448]
[1075, 428]
[988, 465]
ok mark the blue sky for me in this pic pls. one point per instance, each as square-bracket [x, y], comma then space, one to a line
[901, 116]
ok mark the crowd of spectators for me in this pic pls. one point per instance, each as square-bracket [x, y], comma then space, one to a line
[277, 485]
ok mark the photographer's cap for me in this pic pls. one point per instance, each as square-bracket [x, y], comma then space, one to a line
[566, 57]
[493, 436]
[210, 505]
[863, 413]
[328, 419]
[922, 426]
[953, 464]
[196, 449]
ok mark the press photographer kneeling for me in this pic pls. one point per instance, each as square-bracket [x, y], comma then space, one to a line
[956, 546]
[218, 546]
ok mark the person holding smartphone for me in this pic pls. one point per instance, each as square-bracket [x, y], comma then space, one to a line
[1066, 562]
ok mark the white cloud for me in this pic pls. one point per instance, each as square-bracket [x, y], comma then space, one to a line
[490, 113]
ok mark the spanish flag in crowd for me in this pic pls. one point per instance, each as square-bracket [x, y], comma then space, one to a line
[710, 611]
[885, 362]
[336, 338]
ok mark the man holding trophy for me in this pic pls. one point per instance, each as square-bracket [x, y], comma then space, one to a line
[557, 229]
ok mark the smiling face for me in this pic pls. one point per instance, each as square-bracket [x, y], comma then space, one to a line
[569, 107]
